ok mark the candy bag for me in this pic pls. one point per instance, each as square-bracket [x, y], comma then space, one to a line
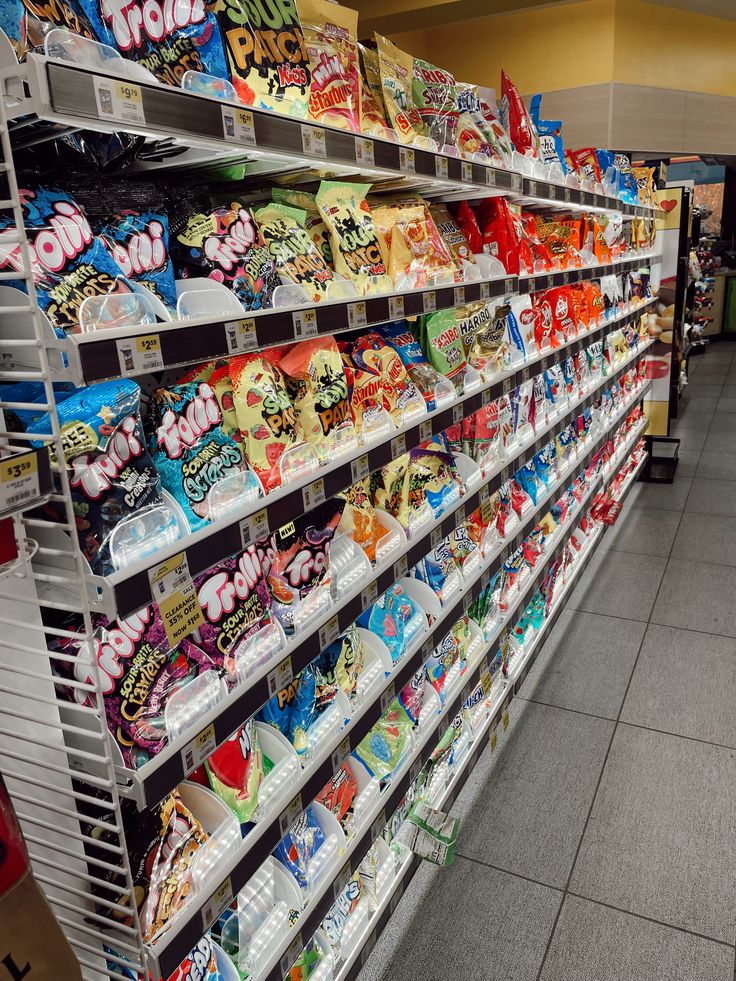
[452, 235]
[339, 793]
[330, 37]
[411, 696]
[190, 448]
[319, 390]
[383, 376]
[338, 914]
[383, 748]
[265, 413]
[390, 618]
[468, 223]
[111, 474]
[413, 250]
[353, 237]
[290, 245]
[223, 243]
[139, 244]
[235, 771]
[516, 119]
[396, 69]
[431, 477]
[500, 238]
[300, 844]
[308, 213]
[434, 95]
[585, 163]
[200, 964]
[372, 110]
[359, 519]
[444, 347]
[549, 131]
[420, 371]
[266, 54]
[68, 262]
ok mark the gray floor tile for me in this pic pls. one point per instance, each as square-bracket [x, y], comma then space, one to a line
[619, 584]
[586, 663]
[712, 497]
[728, 391]
[719, 465]
[693, 402]
[530, 809]
[667, 497]
[696, 387]
[713, 375]
[726, 403]
[723, 443]
[689, 460]
[661, 833]
[690, 439]
[697, 596]
[694, 419]
[646, 531]
[685, 683]
[706, 538]
[723, 424]
[596, 943]
[466, 921]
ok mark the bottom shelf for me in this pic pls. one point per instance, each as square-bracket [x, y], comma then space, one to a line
[485, 737]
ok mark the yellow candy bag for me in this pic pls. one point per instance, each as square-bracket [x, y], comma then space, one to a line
[290, 245]
[330, 36]
[355, 248]
[397, 68]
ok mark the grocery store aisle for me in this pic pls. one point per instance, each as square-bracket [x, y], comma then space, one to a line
[598, 842]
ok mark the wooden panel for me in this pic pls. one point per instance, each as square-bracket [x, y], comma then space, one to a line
[646, 119]
[710, 123]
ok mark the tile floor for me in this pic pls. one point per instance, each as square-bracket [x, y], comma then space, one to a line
[598, 843]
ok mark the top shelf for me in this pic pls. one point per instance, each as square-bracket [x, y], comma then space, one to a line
[75, 97]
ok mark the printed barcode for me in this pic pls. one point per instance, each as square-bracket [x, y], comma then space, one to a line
[189, 760]
[17, 498]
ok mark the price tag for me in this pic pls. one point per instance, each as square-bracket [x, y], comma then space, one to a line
[467, 601]
[425, 430]
[490, 177]
[218, 901]
[305, 323]
[508, 286]
[505, 718]
[414, 770]
[281, 676]
[199, 749]
[396, 307]
[507, 385]
[140, 355]
[407, 162]
[359, 468]
[466, 169]
[485, 291]
[532, 188]
[341, 753]
[387, 697]
[364, 151]
[460, 514]
[378, 825]
[314, 141]
[459, 296]
[401, 567]
[429, 301]
[290, 813]
[493, 735]
[485, 396]
[486, 679]
[357, 314]
[313, 494]
[241, 336]
[173, 591]
[294, 949]
[329, 632]
[370, 594]
[567, 194]
[435, 537]
[341, 880]
[427, 648]
[238, 126]
[485, 507]
[118, 100]
[516, 182]
[525, 373]
[18, 480]
[458, 411]
[440, 167]
[398, 446]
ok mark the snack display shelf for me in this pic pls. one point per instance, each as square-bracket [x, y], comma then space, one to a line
[553, 195]
[242, 863]
[25, 479]
[215, 725]
[282, 959]
[99, 355]
[125, 591]
[521, 666]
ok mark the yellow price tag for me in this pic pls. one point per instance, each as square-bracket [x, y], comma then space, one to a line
[505, 720]
[18, 480]
[18, 467]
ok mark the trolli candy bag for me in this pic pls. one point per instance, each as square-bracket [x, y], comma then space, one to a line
[200, 964]
[397, 68]
[138, 241]
[69, 263]
[330, 36]
[111, 473]
[266, 53]
[355, 248]
[191, 449]
[292, 248]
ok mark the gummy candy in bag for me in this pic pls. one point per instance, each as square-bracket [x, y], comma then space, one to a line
[390, 618]
[339, 793]
[516, 119]
[359, 519]
[452, 234]
[372, 109]
[111, 474]
[138, 241]
[300, 844]
[190, 448]
[292, 249]
[397, 69]
[200, 964]
[330, 37]
[235, 771]
[355, 248]
[434, 95]
[306, 204]
[383, 748]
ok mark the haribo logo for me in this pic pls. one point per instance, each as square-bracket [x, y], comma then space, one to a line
[180, 431]
[143, 251]
[67, 235]
[95, 474]
[132, 21]
[225, 250]
[218, 594]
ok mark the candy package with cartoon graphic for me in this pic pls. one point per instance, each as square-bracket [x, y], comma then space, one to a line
[330, 37]
[379, 378]
[138, 241]
[442, 342]
[235, 771]
[359, 519]
[297, 258]
[305, 204]
[452, 235]
[355, 249]
[396, 69]
[337, 916]
[393, 619]
[420, 371]
[300, 844]
[413, 250]
[339, 793]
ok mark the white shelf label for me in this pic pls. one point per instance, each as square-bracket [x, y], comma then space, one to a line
[313, 494]
[507, 385]
[238, 126]
[341, 880]
[118, 100]
[429, 301]
[370, 594]
[459, 296]
[485, 291]
[218, 901]
[290, 813]
[281, 676]
[140, 355]
[314, 140]
[364, 152]
[357, 314]
[440, 167]
[467, 171]
[199, 749]
[254, 528]
[329, 632]
[396, 307]
[305, 323]
[490, 177]
[18, 480]
[467, 603]
[460, 514]
[458, 411]
[359, 468]
[398, 446]
[516, 182]
[425, 430]
[406, 160]
[485, 396]
[241, 336]
[533, 188]
[508, 286]
[387, 697]
[401, 567]
[435, 537]
[341, 754]
[173, 592]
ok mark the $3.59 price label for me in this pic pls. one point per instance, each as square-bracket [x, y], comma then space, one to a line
[18, 480]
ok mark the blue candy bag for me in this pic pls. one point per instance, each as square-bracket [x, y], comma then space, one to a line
[390, 619]
[551, 147]
[138, 241]
[526, 477]
[300, 844]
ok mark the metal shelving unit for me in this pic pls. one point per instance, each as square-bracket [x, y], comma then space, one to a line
[59, 749]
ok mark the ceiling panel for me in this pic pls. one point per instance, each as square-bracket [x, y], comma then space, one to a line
[725, 9]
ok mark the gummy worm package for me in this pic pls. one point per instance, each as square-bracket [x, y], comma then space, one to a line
[138, 241]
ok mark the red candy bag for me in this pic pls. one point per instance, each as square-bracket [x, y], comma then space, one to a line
[516, 119]
[468, 223]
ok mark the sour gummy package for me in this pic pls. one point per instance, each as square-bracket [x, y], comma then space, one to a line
[138, 241]
[235, 771]
[292, 248]
[396, 69]
[355, 248]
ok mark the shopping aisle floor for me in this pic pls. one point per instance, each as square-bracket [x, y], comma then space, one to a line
[598, 842]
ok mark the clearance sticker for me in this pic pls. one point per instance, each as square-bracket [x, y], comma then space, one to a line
[173, 591]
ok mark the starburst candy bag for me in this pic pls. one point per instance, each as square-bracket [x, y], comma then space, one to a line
[355, 247]
[330, 37]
